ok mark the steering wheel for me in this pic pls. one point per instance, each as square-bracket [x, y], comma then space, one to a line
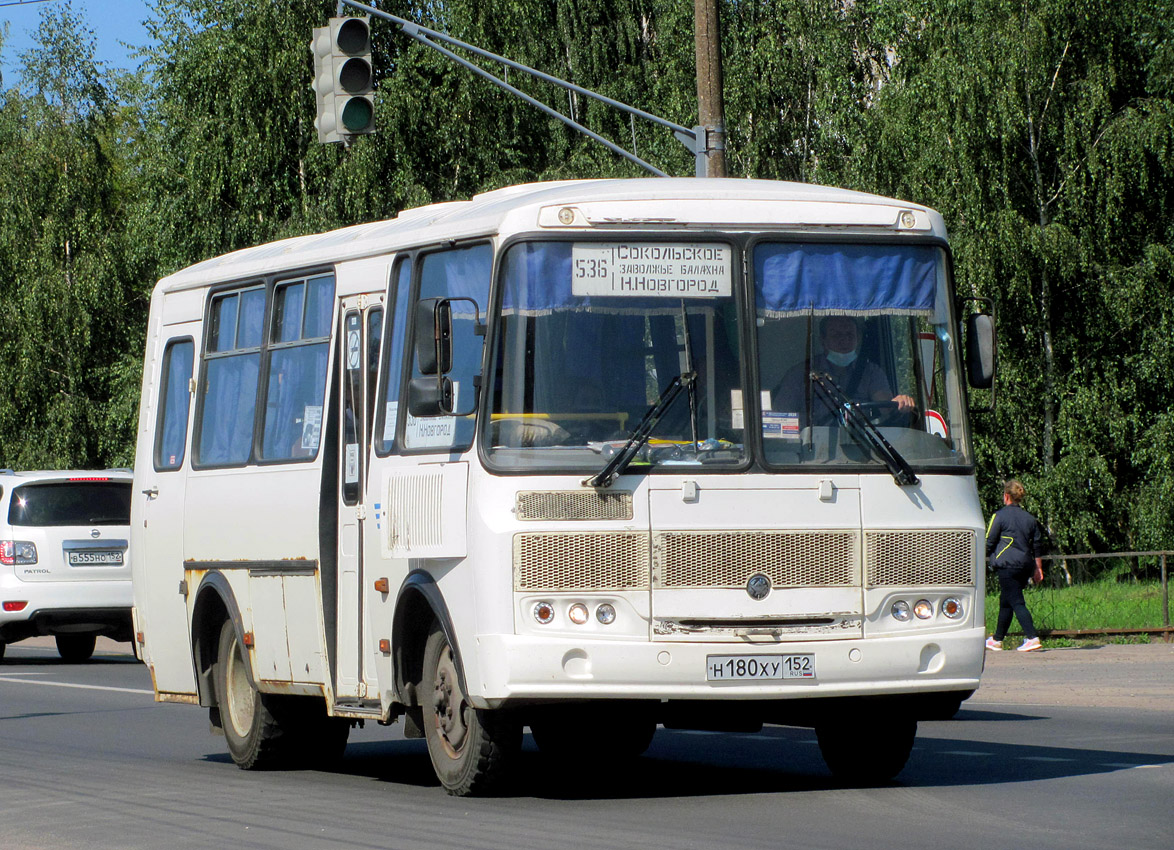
[887, 413]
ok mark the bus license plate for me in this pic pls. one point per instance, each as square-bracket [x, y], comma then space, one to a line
[95, 559]
[730, 668]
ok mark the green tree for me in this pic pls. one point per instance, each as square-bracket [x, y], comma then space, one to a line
[66, 290]
[1043, 133]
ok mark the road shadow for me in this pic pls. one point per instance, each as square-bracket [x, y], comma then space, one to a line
[776, 760]
[49, 658]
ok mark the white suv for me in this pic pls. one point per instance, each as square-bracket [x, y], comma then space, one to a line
[64, 567]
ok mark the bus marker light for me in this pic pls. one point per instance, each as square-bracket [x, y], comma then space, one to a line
[544, 612]
[382, 585]
[900, 610]
[952, 608]
[14, 606]
[247, 639]
[578, 613]
[923, 609]
[385, 646]
[606, 614]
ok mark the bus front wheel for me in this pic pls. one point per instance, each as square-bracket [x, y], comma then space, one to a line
[861, 751]
[470, 747]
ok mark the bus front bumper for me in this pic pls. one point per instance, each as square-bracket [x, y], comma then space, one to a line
[519, 669]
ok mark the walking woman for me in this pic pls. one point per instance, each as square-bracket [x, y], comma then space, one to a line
[1013, 549]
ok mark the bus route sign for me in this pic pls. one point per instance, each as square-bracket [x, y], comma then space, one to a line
[658, 270]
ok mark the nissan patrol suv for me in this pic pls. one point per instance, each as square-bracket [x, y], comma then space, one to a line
[64, 568]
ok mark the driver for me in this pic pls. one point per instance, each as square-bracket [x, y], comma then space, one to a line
[860, 379]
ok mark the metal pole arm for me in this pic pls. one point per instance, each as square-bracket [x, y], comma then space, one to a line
[690, 138]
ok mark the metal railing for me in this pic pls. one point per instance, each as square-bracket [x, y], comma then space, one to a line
[1100, 593]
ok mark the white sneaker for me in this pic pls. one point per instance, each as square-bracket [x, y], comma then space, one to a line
[993, 644]
[1030, 645]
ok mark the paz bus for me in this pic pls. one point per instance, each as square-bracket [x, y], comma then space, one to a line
[575, 457]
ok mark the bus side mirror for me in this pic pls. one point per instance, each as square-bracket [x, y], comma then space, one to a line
[433, 333]
[980, 350]
[430, 396]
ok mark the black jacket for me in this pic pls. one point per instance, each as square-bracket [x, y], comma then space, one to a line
[1013, 538]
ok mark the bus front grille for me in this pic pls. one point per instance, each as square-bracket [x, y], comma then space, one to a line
[581, 561]
[899, 558]
[706, 559]
[555, 505]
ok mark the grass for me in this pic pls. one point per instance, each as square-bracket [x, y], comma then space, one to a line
[1106, 604]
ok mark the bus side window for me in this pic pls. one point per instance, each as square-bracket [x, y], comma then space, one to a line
[174, 401]
[297, 369]
[232, 368]
[460, 274]
[399, 299]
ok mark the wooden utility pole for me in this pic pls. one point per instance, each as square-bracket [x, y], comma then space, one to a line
[710, 108]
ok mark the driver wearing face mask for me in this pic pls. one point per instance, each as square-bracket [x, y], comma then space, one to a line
[860, 379]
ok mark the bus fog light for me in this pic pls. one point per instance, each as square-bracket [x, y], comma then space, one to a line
[952, 608]
[923, 609]
[900, 610]
[578, 613]
[544, 612]
[606, 614]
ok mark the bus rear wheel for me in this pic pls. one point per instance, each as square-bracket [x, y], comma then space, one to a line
[76, 648]
[470, 748]
[862, 751]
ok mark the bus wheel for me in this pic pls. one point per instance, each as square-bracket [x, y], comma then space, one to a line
[76, 648]
[866, 753]
[470, 747]
[2, 646]
[251, 730]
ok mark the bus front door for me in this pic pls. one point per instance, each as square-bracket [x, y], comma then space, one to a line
[362, 323]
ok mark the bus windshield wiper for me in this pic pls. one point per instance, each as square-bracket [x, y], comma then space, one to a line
[620, 460]
[863, 429]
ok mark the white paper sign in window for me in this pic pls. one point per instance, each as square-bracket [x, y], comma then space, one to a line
[656, 270]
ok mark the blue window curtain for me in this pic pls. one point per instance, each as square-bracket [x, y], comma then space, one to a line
[860, 280]
[226, 423]
[173, 420]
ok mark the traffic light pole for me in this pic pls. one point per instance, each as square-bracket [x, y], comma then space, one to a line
[695, 140]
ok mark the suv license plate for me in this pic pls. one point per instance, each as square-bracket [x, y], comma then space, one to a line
[733, 668]
[95, 559]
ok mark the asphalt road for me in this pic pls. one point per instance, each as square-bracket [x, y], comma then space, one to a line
[1064, 749]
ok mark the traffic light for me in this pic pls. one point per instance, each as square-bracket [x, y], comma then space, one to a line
[344, 79]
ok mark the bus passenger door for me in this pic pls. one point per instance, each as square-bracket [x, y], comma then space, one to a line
[362, 322]
[163, 465]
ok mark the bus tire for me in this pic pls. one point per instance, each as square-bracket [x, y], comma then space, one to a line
[253, 733]
[470, 748]
[3, 645]
[863, 751]
[76, 648]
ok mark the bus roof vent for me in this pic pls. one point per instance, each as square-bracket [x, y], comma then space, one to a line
[552, 505]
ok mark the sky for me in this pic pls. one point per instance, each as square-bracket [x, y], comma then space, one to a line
[112, 21]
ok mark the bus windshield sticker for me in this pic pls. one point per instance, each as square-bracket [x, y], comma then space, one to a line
[659, 270]
[390, 414]
[312, 427]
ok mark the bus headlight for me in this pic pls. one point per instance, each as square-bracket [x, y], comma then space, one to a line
[900, 610]
[606, 614]
[578, 613]
[923, 609]
[544, 612]
[952, 608]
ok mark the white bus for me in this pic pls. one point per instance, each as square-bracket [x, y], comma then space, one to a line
[584, 457]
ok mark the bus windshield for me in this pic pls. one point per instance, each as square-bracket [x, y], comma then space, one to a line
[594, 335]
[862, 326]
